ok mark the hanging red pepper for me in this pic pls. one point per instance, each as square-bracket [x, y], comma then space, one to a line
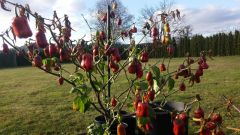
[87, 61]
[144, 57]
[116, 55]
[37, 61]
[64, 55]
[52, 50]
[121, 129]
[142, 109]
[20, 26]
[41, 39]
[178, 127]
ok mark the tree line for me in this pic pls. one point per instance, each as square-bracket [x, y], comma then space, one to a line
[221, 44]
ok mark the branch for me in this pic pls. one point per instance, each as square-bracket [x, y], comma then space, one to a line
[19, 6]
[230, 103]
[235, 129]
[132, 83]
[86, 22]
[97, 108]
[97, 94]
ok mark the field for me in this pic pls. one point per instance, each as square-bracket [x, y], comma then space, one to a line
[32, 103]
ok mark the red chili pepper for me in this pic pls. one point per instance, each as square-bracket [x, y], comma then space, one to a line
[87, 61]
[113, 66]
[21, 28]
[60, 80]
[41, 40]
[182, 116]
[151, 94]
[162, 67]
[178, 127]
[148, 127]
[205, 132]
[149, 76]
[121, 129]
[136, 101]
[64, 55]
[142, 109]
[154, 32]
[217, 118]
[115, 55]
[113, 102]
[37, 61]
[52, 50]
[144, 57]
[170, 50]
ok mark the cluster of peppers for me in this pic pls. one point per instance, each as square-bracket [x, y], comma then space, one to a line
[43, 54]
[210, 125]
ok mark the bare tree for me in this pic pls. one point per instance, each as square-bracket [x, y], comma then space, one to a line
[175, 18]
[120, 12]
[184, 31]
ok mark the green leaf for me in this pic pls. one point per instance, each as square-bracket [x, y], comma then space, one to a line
[98, 85]
[44, 61]
[155, 85]
[95, 70]
[97, 33]
[142, 85]
[82, 103]
[105, 78]
[101, 66]
[156, 72]
[142, 120]
[84, 89]
[152, 113]
[54, 59]
[171, 83]
[80, 76]
[95, 129]
[73, 90]
[47, 61]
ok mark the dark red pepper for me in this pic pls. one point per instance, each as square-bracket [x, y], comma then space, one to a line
[116, 55]
[144, 57]
[52, 50]
[41, 40]
[21, 27]
[87, 61]
[178, 127]
[142, 110]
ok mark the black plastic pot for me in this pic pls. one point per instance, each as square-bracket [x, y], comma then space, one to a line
[163, 125]
[101, 120]
[129, 120]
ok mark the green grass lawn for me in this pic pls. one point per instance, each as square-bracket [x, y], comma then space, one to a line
[32, 103]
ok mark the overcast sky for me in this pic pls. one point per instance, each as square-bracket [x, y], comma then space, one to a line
[205, 16]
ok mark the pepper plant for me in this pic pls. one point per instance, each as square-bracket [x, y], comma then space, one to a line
[99, 64]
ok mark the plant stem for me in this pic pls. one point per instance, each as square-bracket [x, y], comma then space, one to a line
[230, 102]
[129, 89]
[97, 94]
[108, 58]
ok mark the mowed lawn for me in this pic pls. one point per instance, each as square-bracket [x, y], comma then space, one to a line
[31, 102]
